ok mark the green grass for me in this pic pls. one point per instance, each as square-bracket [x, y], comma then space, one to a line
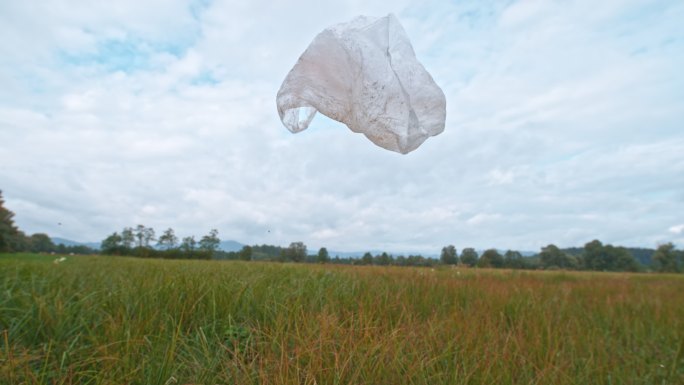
[107, 320]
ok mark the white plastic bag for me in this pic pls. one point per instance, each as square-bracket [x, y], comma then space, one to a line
[365, 74]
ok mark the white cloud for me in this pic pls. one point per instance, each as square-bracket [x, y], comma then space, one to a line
[482, 218]
[561, 127]
[678, 229]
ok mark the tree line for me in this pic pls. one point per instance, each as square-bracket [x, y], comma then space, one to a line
[594, 256]
[141, 241]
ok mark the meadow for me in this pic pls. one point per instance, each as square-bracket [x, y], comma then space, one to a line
[116, 320]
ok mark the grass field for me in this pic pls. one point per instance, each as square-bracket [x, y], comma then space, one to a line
[107, 320]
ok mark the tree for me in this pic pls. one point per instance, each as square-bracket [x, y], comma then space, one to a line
[168, 239]
[601, 257]
[491, 258]
[41, 243]
[246, 253]
[323, 256]
[383, 259]
[139, 234]
[513, 260]
[148, 236]
[594, 257]
[210, 242]
[449, 255]
[623, 260]
[553, 258]
[127, 237]
[296, 252]
[111, 244]
[9, 233]
[367, 259]
[665, 259]
[188, 245]
[469, 256]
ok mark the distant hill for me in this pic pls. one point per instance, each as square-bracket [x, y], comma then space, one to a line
[69, 242]
[230, 245]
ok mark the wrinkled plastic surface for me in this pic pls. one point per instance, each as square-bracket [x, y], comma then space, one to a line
[365, 74]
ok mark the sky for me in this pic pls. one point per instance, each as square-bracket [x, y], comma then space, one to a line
[565, 123]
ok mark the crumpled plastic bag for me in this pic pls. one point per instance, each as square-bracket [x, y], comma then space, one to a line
[365, 74]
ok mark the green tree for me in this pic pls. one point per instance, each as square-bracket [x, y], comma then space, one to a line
[594, 257]
[188, 245]
[513, 260]
[148, 236]
[623, 260]
[41, 243]
[210, 242]
[469, 256]
[665, 259]
[367, 259]
[111, 245]
[168, 239]
[139, 234]
[552, 257]
[323, 256]
[127, 238]
[449, 255]
[9, 233]
[382, 259]
[246, 253]
[491, 258]
[296, 252]
[599, 257]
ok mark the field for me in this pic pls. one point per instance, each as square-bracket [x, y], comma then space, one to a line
[110, 320]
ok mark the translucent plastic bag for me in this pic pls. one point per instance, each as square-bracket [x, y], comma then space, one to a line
[365, 74]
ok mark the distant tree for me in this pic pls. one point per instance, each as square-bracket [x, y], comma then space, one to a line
[127, 237]
[266, 252]
[601, 257]
[9, 233]
[513, 260]
[168, 239]
[210, 242]
[418, 260]
[491, 258]
[41, 243]
[139, 234]
[382, 259]
[623, 260]
[594, 256]
[296, 252]
[323, 256]
[665, 259]
[110, 245]
[188, 245]
[367, 259]
[246, 253]
[449, 255]
[469, 256]
[552, 257]
[149, 236]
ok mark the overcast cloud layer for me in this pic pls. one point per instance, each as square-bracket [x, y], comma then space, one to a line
[565, 123]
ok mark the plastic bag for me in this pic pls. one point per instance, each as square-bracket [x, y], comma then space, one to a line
[365, 74]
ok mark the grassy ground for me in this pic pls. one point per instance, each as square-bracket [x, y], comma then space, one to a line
[106, 320]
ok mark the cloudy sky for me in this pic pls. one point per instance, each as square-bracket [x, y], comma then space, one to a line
[565, 123]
